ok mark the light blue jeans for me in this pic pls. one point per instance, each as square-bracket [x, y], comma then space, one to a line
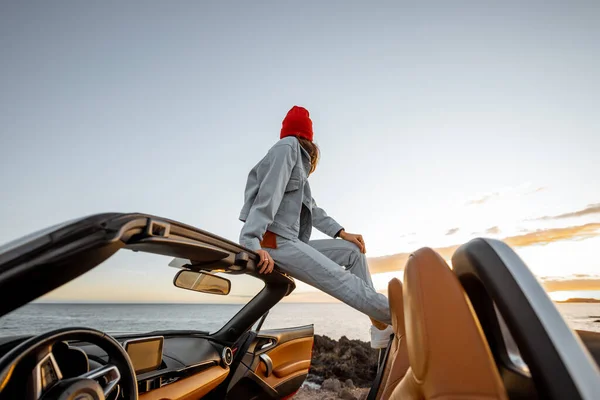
[320, 264]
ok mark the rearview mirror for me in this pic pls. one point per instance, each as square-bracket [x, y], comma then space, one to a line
[202, 282]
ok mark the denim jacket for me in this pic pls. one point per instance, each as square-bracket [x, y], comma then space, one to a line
[278, 198]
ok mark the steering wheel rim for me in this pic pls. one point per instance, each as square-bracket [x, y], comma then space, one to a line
[494, 276]
[118, 360]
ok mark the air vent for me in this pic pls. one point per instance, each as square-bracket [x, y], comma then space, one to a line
[226, 357]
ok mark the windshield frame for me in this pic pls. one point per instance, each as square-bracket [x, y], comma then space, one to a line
[59, 255]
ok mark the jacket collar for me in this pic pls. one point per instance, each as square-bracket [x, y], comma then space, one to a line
[305, 158]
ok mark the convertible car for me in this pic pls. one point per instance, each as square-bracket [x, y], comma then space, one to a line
[484, 329]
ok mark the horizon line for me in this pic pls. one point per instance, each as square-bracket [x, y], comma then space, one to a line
[233, 304]
[190, 303]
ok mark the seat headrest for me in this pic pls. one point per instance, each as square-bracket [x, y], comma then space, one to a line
[447, 349]
[396, 300]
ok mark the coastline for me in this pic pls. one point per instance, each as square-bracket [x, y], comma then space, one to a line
[579, 300]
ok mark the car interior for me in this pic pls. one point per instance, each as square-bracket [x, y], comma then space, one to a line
[455, 363]
[483, 329]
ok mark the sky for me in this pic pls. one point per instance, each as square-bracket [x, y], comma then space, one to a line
[437, 122]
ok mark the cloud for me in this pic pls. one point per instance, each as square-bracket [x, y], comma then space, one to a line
[396, 262]
[589, 210]
[452, 231]
[494, 230]
[521, 190]
[483, 199]
[546, 236]
[578, 282]
[537, 190]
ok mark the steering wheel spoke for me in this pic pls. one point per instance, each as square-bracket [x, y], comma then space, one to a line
[45, 374]
[108, 376]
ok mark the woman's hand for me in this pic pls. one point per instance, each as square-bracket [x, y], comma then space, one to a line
[266, 263]
[354, 238]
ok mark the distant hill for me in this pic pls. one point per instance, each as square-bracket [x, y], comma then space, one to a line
[580, 300]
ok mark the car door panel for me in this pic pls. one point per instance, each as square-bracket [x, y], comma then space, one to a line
[276, 364]
[290, 358]
[290, 367]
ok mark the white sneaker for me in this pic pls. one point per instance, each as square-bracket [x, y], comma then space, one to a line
[380, 338]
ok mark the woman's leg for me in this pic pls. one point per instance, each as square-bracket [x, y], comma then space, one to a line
[348, 255]
[310, 266]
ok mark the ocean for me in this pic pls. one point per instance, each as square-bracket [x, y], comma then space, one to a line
[330, 319]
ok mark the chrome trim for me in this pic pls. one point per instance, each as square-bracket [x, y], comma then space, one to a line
[268, 344]
[512, 350]
[110, 372]
[37, 373]
[268, 363]
[577, 360]
[224, 356]
[200, 364]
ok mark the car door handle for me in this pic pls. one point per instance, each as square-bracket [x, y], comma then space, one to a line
[267, 344]
[268, 363]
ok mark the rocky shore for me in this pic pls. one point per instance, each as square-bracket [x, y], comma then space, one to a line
[340, 369]
[337, 390]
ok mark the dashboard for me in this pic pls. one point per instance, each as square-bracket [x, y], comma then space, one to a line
[158, 360]
[162, 360]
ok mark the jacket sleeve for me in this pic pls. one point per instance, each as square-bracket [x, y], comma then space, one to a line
[274, 176]
[324, 222]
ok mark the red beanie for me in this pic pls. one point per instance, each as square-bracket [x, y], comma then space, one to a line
[297, 123]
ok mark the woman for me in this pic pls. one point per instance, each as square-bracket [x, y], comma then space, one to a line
[279, 213]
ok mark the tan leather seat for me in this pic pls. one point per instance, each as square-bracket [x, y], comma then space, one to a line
[449, 355]
[398, 358]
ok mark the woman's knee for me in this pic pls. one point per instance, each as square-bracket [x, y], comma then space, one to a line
[357, 258]
[352, 249]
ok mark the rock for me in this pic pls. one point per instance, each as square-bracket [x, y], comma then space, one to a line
[332, 385]
[346, 394]
[315, 379]
[306, 393]
[349, 384]
[343, 359]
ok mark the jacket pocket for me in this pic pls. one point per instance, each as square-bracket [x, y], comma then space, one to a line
[293, 184]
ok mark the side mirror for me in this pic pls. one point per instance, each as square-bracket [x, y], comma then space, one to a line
[202, 282]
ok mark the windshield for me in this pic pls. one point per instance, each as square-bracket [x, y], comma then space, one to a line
[131, 292]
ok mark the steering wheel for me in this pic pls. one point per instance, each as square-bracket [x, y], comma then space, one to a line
[34, 356]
